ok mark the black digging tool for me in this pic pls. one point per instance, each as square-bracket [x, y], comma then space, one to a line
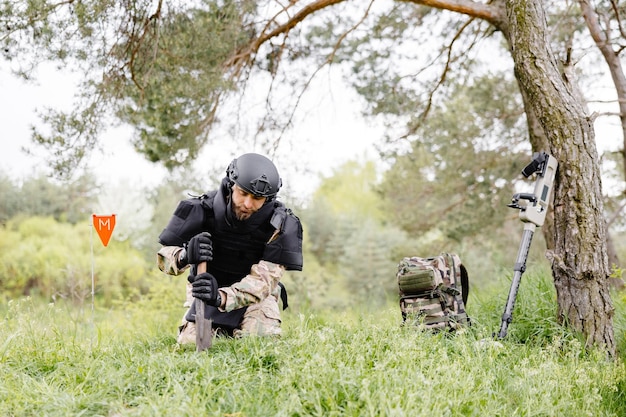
[204, 334]
[533, 209]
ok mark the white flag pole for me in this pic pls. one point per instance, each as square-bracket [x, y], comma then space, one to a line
[93, 286]
[93, 281]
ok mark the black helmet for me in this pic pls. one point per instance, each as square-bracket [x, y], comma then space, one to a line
[256, 174]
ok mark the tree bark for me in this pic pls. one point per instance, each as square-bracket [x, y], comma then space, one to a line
[579, 259]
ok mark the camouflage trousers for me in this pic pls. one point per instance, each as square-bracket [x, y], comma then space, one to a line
[260, 319]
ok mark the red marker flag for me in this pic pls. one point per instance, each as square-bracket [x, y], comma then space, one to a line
[104, 225]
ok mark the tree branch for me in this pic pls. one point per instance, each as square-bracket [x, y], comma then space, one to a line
[612, 59]
[618, 19]
[488, 12]
[327, 61]
[441, 80]
[238, 61]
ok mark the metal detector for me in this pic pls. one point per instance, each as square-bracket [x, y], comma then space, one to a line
[533, 209]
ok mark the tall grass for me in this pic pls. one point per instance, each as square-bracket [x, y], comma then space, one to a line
[56, 360]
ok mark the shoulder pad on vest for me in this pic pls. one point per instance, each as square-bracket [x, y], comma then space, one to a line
[188, 220]
[286, 249]
[279, 216]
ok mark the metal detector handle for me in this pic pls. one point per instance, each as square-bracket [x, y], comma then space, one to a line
[535, 211]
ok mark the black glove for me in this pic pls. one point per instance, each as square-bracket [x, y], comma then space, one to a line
[199, 249]
[204, 287]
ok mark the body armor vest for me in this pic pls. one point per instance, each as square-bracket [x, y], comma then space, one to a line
[237, 245]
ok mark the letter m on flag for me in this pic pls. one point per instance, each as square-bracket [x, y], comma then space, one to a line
[104, 225]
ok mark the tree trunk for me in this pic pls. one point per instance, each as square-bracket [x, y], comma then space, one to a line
[579, 259]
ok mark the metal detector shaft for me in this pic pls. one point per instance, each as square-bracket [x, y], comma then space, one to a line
[520, 267]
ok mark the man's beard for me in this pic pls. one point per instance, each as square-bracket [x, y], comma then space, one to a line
[240, 215]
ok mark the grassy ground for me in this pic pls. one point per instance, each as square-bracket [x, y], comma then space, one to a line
[57, 360]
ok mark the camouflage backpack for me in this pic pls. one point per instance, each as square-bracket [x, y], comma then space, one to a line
[433, 292]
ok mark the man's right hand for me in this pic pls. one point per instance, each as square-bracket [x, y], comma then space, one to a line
[199, 249]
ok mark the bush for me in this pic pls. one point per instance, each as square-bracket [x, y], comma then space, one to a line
[42, 257]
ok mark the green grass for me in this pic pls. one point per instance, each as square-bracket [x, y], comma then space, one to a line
[57, 360]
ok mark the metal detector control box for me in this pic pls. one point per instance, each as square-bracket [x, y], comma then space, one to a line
[533, 207]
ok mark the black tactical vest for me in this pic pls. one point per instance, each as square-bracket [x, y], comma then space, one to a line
[237, 245]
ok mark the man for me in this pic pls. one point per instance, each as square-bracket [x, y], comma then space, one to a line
[248, 240]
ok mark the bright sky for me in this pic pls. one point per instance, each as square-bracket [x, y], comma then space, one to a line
[329, 133]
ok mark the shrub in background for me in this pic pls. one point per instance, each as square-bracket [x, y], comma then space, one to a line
[42, 257]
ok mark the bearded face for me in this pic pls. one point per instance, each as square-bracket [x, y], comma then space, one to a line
[245, 204]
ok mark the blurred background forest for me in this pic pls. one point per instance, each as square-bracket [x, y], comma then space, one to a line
[450, 156]
[358, 224]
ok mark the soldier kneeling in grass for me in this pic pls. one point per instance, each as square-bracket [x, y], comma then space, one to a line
[247, 239]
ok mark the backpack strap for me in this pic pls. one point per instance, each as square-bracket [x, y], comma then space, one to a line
[464, 283]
